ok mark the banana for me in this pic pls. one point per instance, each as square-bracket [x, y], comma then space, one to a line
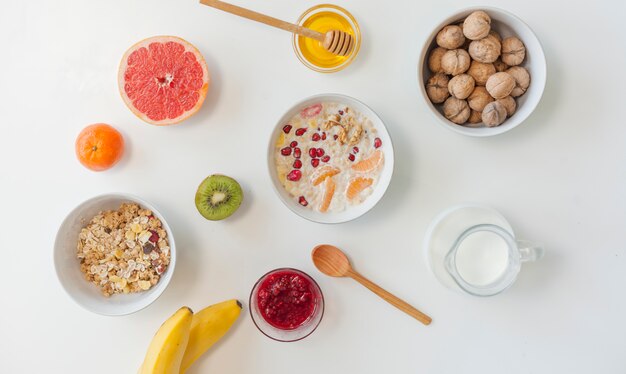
[168, 345]
[207, 327]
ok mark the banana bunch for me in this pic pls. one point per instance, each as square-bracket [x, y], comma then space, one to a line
[185, 336]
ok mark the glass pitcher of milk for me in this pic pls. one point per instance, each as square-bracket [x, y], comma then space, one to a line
[485, 259]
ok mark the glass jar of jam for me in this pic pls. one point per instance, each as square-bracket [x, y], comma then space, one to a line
[286, 304]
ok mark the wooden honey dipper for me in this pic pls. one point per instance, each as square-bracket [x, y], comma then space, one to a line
[334, 41]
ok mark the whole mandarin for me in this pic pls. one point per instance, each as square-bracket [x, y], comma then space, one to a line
[99, 146]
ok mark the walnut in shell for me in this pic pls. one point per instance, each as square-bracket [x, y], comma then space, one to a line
[479, 98]
[466, 44]
[513, 51]
[437, 88]
[456, 110]
[475, 118]
[450, 37]
[485, 50]
[434, 60]
[477, 25]
[522, 80]
[481, 72]
[461, 86]
[499, 65]
[455, 62]
[500, 85]
[509, 104]
[494, 34]
[494, 114]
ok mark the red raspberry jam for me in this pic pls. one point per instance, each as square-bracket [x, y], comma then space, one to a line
[286, 299]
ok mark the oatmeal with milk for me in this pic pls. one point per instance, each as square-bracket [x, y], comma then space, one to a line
[328, 157]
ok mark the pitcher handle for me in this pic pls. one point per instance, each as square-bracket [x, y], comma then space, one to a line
[529, 251]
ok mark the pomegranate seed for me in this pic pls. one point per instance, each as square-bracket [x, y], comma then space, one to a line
[326, 158]
[294, 175]
[316, 137]
[335, 137]
[377, 143]
[323, 136]
[355, 150]
[297, 152]
[300, 131]
[312, 152]
[297, 164]
[320, 152]
[315, 162]
[341, 112]
[293, 144]
[286, 129]
[154, 237]
[351, 157]
[303, 201]
[285, 151]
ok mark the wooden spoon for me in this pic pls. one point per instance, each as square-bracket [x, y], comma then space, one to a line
[330, 260]
[334, 41]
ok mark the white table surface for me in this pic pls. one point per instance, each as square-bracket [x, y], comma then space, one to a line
[559, 178]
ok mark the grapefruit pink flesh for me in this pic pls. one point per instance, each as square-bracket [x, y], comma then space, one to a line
[163, 80]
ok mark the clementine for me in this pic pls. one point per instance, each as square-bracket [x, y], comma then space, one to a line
[99, 146]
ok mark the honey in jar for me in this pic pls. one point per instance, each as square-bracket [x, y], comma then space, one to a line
[324, 18]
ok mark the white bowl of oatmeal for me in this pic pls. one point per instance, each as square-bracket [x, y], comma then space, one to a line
[114, 254]
[330, 158]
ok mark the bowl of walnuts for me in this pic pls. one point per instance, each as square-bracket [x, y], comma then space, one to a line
[482, 71]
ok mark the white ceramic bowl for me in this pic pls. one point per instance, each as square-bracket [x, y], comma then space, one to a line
[351, 212]
[67, 265]
[506, 24]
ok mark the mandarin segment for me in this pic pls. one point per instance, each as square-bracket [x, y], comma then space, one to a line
[320, 174]
[369, 164]
[357, 185]
[281, 140]
[329, 191]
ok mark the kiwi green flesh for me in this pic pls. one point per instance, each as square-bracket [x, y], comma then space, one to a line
[218, 197]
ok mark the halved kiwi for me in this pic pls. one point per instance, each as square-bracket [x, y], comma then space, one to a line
[218, 197]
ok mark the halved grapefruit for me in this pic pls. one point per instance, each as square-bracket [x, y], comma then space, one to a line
[163, 79]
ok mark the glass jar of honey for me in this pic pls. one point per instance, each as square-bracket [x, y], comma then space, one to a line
[323, 18]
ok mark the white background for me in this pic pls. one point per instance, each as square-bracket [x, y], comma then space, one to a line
[559, 178]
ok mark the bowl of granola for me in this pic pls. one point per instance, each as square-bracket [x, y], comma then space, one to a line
[114, 254]
[330, 158]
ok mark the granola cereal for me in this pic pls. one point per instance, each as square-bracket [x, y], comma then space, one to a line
[124, 250]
